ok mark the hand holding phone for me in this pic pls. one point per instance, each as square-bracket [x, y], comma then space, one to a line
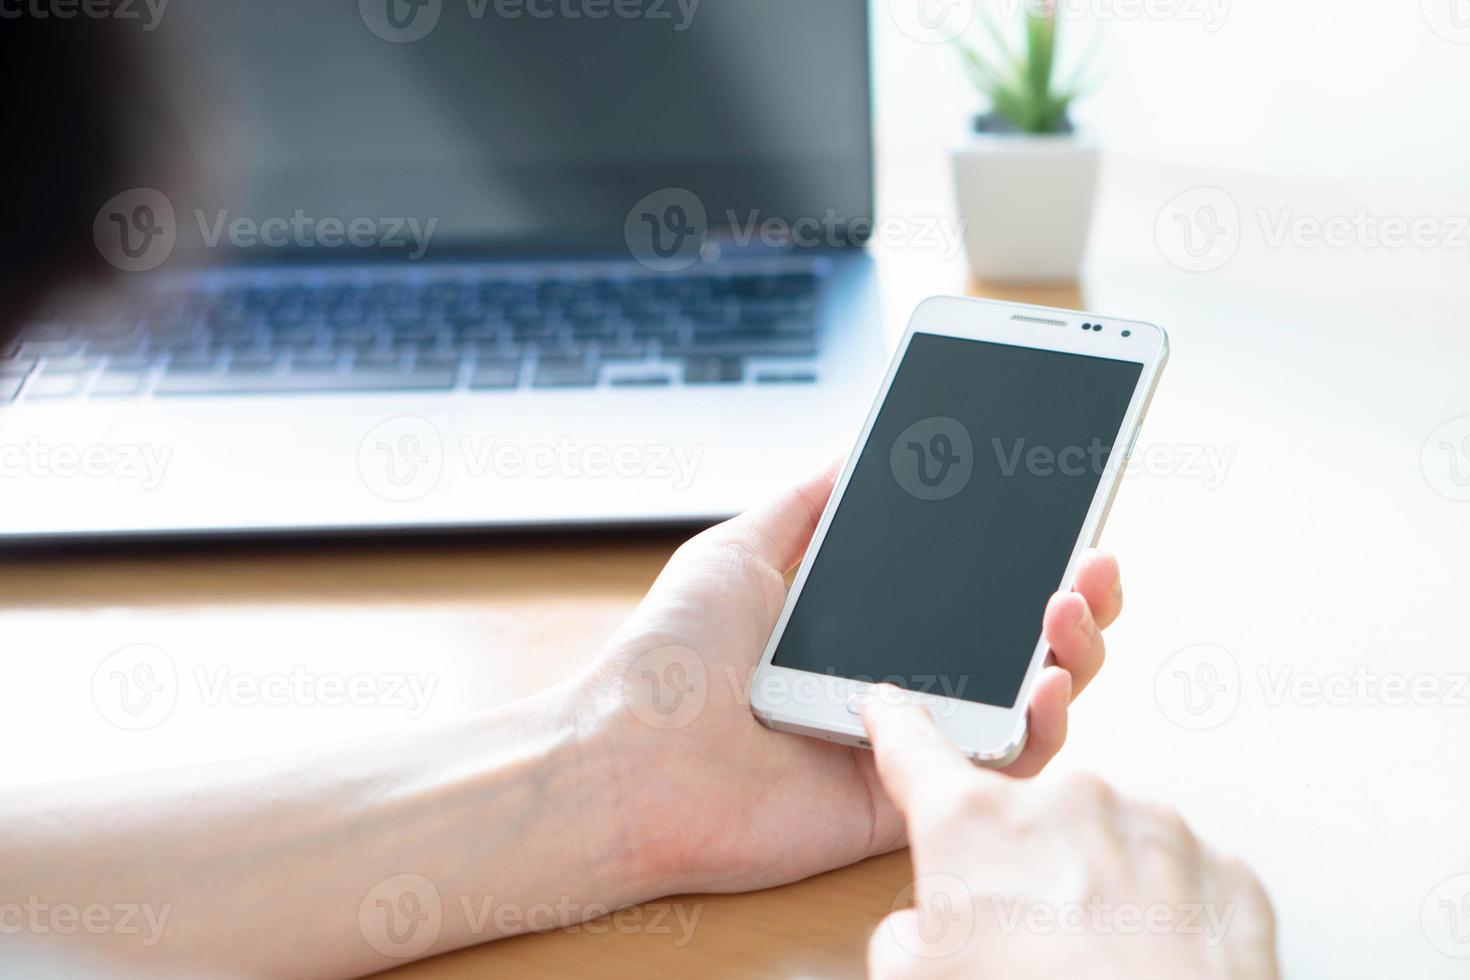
[720, 803]
[984, 471]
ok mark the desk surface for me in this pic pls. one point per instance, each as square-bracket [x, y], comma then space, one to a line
[1289, 519]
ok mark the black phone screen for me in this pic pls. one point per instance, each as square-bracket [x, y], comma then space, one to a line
[959, 519]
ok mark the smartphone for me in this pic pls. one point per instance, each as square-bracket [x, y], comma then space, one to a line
[986, 466]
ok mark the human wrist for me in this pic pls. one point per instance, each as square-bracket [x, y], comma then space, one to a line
[629, 824]
[608, 809]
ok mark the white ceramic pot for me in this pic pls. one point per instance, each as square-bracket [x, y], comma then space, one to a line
[1026, 202]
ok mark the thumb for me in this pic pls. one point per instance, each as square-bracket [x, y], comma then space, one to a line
[916, 763]
[779, 531]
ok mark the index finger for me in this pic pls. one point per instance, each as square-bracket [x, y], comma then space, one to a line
[914, 759]
[1101, 584]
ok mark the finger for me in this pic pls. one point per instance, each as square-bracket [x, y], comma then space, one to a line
[1246, 920]
[1099, 581]
[888, 956]
[915, 761]
[1095, 816]
[1046, 722]
[1167, 856]
[778, 532]
[1076, 642]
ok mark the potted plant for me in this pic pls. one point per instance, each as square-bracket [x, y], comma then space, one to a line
[1024, 180]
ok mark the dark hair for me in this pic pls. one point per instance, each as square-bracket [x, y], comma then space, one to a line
[63, 119]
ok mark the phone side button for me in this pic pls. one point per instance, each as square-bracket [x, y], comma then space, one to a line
[1132, 441]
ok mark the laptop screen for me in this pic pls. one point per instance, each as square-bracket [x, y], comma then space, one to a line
[528, 123]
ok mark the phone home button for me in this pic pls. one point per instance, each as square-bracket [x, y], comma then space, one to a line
[855, 704]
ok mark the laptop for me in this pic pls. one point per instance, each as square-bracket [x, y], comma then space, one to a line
[452, 264]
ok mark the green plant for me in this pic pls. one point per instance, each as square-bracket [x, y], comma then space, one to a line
[1021, 85]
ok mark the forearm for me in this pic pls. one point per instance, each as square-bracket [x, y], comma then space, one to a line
[329, 862]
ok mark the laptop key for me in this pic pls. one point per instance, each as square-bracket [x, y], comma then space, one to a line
[533, 331]
[642, 381]
[297, 346]
[356, 332]
[56, 369]
[492, 350]
[16, 367]
[377, 361]
[119, 348]
[622, 350]
[741, 345]
[49, 348]
[129, 363]
[306, 382]
[713, 370]
[561, 350]
[296, 335]
[796, 283]
[50, 331]
[314, 361]
[194, 361]
[495, 374]
[420, 333]
[786, 377]
[366, 345]
[118, 384]
[778, 323]
[443, 360]
[62, 385]
[254, 363]
[777, 309]
[599, 329]
[480, 332]
[564, 374]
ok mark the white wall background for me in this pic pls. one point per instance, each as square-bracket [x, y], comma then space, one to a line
[1352, 90]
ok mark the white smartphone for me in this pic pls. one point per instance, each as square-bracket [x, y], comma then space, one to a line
[986, 466]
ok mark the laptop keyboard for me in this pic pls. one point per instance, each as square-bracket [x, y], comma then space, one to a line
[442, 335]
